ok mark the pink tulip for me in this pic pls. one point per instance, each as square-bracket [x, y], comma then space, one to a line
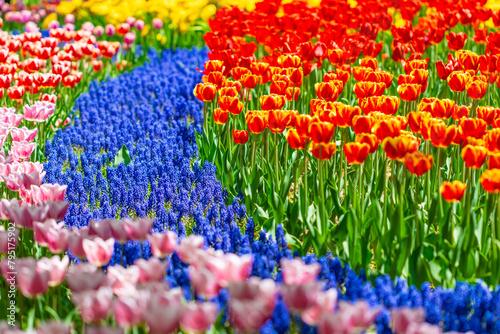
[25, 215]
[252, 303]
[33, 179]
[98, 251]
[58, 240]
[403, 317]
[152, 270]
[93, 305]
[297, 272]
[56, 209]
[109, 29]
[54, 327]
[85, 277]
[118, 231]
[157, 23]
[123, 280]
[70, 18]
[75, 241]
[48, 192]
[204, 282]
[23, 133]
[163, 244]
[325, 302]
[100, 228]
[129, 37]
[360, 314]
[138, 229]
[14, 181]
[31, 27]
[88, 26]
[8, 240]
[300, 297]
[54, 24]
[188, 247]
[13, 120]
[237, 268]
[139, 25]
[198, 317]
[129, 310]
[56, 268]
[3, 209]
[98, 31]
[164, 312]
[42, 229]
[335, 324]
[32, 280]
[21, 150]
[103, 330]
[39, 112]
[5, 159]
[423, 328]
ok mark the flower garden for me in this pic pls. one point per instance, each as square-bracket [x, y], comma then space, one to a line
[225, 166]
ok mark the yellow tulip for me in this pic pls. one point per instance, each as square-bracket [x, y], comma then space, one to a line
[49, 18]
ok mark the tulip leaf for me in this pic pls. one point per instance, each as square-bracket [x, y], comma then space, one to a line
[122, 156]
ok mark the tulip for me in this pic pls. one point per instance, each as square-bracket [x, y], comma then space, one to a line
[474, 156]
[23, 215]
[152, 270]
[205, 92]
[249, 81]
[279, 120]
[404, 317]
[129, 310]
[163, 244]
[409, 92]
[396, 148]
[457, 80]
[387, 128]
[21, 150]
[198, 317]
[273, 101]
[328, 91]
[32, 280]
[48, 192]
[56, 267]
[57, 241]
[472, 127]
[369, 139]
[418, 163]
[54, 327]
[344, 115]
[300, 297]
[325, 303]
[371, 104]
[363, 124]
[488, 114]
[188, 247]
[321, 132]
[468, 60]
[389, 104]
[240, 136]
[366, 89]
[404, 33]
[453, 191]
[297, 272]
[323, 151]
[85, 277]
[23, 134]
[229, 91]
[494, 161]
[98, 251]
[335, 55]
[490, 180]
[92, 305]
[492, 140]
[252, 303]
[296, 142]
[476, 88]
[164, 312]
[220, 116]
[230, 104]
[138, 229]
[256, 121]
[456, 41]
[441, 135]
[356, 153]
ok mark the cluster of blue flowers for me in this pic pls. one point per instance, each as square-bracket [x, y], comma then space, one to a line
[152, 112]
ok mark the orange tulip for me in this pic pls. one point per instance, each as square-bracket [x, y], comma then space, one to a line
[249, 81]
[369, 139]
[296, 142]
[323, 151]
[286, 61]
[280, 119]
[356, 153]
[273, 101]
[205, 92]
[415, 120]
[215, 78]
[418, 163]
[472, 127]
[328, 91]
[228, 91]
[279, 87]
[239, 73]
[369, 62]
[292, 94]
[230, 104]
[335, 56]
[474, 156]
[370, 104]
[296, 75]
[476, 88]
[453, 191]
[240, 136]
[398, 147]
[220, 116]
[321, 132]
[468, 60]
[492, 140]
[366, 89]
[460, 112]
[442, 108]
[409, 92]
[344, 115]
[457, 80]
[256, 121]
[494, 161]
[441, 135]
[488, 114]
[302, 125]
[362, 124]
[259, 68]
[490, 180]
[390, 127]
[389, 104]
[231, 84]
[214, 66]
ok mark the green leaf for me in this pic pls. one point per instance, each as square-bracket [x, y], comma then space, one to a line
[122, 156]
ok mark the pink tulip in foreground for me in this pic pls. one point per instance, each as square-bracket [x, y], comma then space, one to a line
[41, 231]
[54, 327]
[21, 150]
[188, 247]
[98, 251]
[252, 303]
[23, 134]
[152, 270]
[300, 297]
[85, 277]
[93, 305]
[163, 244]
[129, 310]
[75, 241]
[138, 229]
[198, 316]
[403, 317]
[123, 280]
[8, 240]
[325, 302]
[56, 268]
[164, 311]
[32, 280]
[297, 272]
[48, 192]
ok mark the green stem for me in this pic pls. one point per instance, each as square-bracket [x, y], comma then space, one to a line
[276, 156]
[254, 146]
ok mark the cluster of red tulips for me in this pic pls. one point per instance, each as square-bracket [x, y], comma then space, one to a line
[315, 80]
